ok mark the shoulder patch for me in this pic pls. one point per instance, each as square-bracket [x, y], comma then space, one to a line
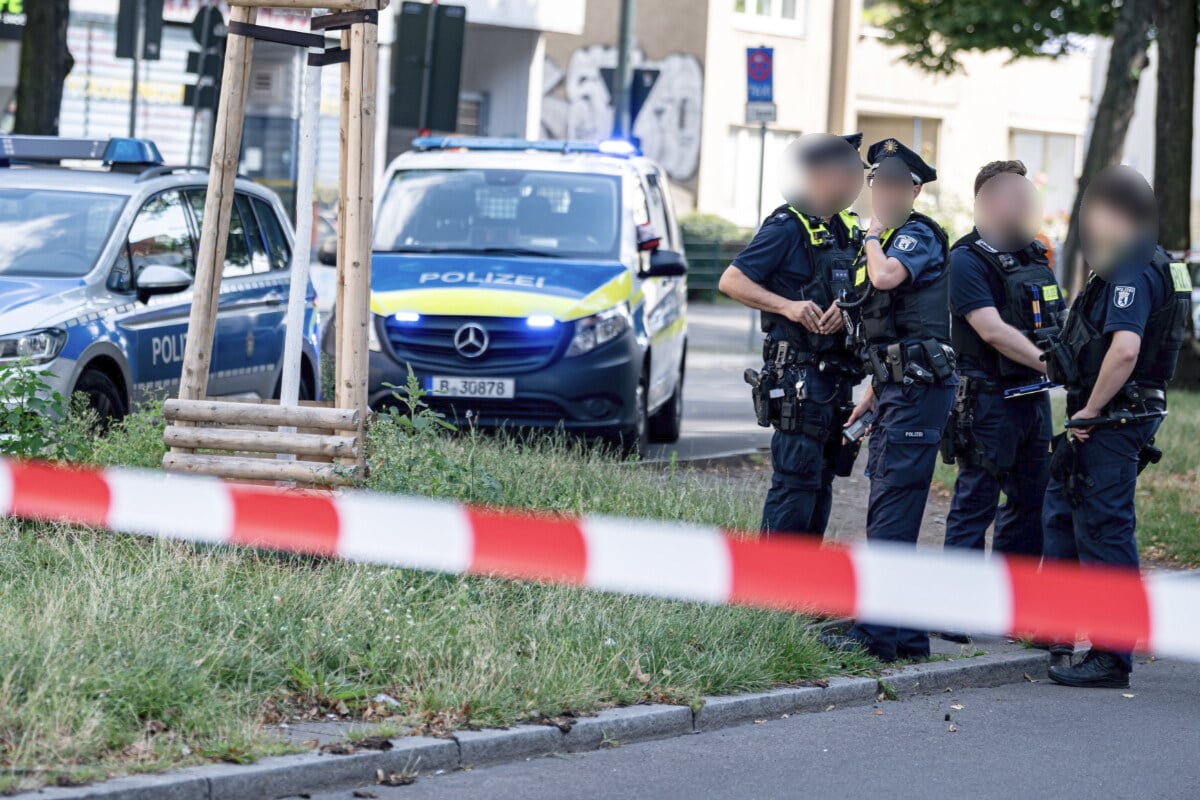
[1123, 296]
[904, 242]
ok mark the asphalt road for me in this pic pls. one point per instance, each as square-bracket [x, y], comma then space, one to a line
[1020, 740]
[717, 417]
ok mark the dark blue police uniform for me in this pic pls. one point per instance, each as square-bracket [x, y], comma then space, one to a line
[783, 258]
[999, 444]
[905, 337]
[1089, 513]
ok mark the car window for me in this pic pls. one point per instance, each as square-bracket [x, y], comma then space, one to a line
[641, 209]
[658, 211]
[521, 212]
[280, 253]
[52, 233]
[160, 235]
[237, 250]
[259, 263]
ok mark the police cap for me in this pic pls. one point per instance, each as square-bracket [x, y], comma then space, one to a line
[892, 150]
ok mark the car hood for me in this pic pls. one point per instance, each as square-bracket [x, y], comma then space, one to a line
[495, 286]
[30, 303]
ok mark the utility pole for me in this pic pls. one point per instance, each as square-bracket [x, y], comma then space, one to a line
[138, 43]
[623, 82]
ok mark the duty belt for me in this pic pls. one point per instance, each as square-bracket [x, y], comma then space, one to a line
[925, 362]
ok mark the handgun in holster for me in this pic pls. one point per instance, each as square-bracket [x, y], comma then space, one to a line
[1065, 468]
[759, 396]
[1060, 364]
[1148, 455]
[953, 439]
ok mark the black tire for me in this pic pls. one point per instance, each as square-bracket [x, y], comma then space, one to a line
[667, 423]
[307, 391]
[104, 398]
[633, 440]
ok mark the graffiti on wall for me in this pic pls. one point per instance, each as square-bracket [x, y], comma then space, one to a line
[577, 105]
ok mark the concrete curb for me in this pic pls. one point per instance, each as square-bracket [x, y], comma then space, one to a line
[307, 772]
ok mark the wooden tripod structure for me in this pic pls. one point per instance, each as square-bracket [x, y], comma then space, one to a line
[250, 438]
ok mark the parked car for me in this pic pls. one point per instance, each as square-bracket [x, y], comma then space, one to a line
[96, 269]
[532, 284]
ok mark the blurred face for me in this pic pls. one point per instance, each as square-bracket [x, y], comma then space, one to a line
[1108, 233]
[892, 196]
[1008, 212]
[821, 186]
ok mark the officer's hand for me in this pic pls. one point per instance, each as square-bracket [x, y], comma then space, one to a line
[875, 228]
[805, 313]
[1082, 434]
[831, 320]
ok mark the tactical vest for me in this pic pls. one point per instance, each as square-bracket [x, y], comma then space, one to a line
[1031, 302]
[905, 313]
[831, 268]
[1161, 341]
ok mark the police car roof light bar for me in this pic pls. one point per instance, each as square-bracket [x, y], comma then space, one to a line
[56, 148]
[517, 145]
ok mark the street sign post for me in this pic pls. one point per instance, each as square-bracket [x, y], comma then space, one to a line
[760, 108]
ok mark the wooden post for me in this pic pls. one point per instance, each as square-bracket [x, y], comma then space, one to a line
[226, 151]
[340, 301]
[360, 203]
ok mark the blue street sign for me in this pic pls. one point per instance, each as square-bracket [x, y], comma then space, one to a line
[759, 74]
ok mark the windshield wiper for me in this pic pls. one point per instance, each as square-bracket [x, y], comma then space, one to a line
[489, 251]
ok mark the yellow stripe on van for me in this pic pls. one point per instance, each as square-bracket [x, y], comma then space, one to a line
[461, 301]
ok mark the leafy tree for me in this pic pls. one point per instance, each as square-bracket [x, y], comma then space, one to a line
[45, 62]
[936, 33]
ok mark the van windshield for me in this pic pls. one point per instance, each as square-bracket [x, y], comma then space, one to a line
[54, 234]
[500, 211]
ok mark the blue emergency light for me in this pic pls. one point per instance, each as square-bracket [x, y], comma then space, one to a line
[111, 152]
[612, 147]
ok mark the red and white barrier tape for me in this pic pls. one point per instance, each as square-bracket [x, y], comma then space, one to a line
[888, 585]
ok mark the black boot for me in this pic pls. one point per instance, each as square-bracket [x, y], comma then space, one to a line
[1097, 670]
[952, 636]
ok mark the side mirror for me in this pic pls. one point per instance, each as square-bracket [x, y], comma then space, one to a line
[666, 264]
[327, 252]
[157, 279]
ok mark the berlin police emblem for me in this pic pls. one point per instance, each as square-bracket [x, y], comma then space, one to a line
[905, 242]
[1123, 296]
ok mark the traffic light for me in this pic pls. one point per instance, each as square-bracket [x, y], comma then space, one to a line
[207, 63]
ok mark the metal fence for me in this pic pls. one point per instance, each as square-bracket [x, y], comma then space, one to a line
[707, 259]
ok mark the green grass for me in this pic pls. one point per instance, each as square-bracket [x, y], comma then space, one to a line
[122, 654]
[1168, 499]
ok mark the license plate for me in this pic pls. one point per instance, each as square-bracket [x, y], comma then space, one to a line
[456, 386]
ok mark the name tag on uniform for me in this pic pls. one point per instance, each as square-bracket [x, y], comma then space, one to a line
[1180, 276]
[914, 434]
[1050, 293]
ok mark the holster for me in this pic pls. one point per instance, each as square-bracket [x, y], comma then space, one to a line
[1060, 364]
[958, 438]
[1066, 469]
[1148, 455]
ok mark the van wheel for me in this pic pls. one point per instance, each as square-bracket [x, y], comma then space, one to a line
[667, 422]
[104, 398]
[634, 440]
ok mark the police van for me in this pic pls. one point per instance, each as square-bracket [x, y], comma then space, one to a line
[96, 269]
[532, 284]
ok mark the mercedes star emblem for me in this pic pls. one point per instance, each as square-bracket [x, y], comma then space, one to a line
[471, 340]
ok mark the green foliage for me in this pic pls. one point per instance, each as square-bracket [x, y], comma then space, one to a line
[710, 227]
[34, 421]
[935, 34]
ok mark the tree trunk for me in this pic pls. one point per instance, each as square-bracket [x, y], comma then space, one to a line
[45, 62]
[1175, 21]
[1126, 60]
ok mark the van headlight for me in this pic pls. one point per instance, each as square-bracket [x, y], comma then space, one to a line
[593, 331]
[36, 347]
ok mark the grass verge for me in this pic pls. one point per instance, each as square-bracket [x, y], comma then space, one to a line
[1168, 498]
[120, 654]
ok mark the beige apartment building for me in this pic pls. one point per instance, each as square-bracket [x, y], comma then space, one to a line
[832, 72]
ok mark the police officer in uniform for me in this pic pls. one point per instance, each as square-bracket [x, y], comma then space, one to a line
[1117, 353]
[902, 324]
[795, 268]
[1005, 305]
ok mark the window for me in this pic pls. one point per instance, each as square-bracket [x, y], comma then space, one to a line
[281, 254]
[658, 212]
[54, 234]
[1050, 160]
[237, 251]
[160, 235]
[768, 15]
[259, 263]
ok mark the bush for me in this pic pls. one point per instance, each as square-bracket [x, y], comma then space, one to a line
[711, 227]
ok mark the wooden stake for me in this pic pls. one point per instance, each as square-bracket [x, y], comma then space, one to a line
[227, 146]
[300, 444]
[340, 303]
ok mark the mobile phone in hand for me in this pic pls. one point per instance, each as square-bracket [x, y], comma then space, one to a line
[858, 428]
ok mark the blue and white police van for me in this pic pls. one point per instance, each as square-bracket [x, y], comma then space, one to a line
[97, 257]
[532, 284]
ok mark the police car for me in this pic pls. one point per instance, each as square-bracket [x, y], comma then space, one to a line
[96, 268]
[532, 284]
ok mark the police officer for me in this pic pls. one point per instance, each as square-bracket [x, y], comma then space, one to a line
[1005, 305]
[1116, 355]
[902, 324]
[795, 268]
